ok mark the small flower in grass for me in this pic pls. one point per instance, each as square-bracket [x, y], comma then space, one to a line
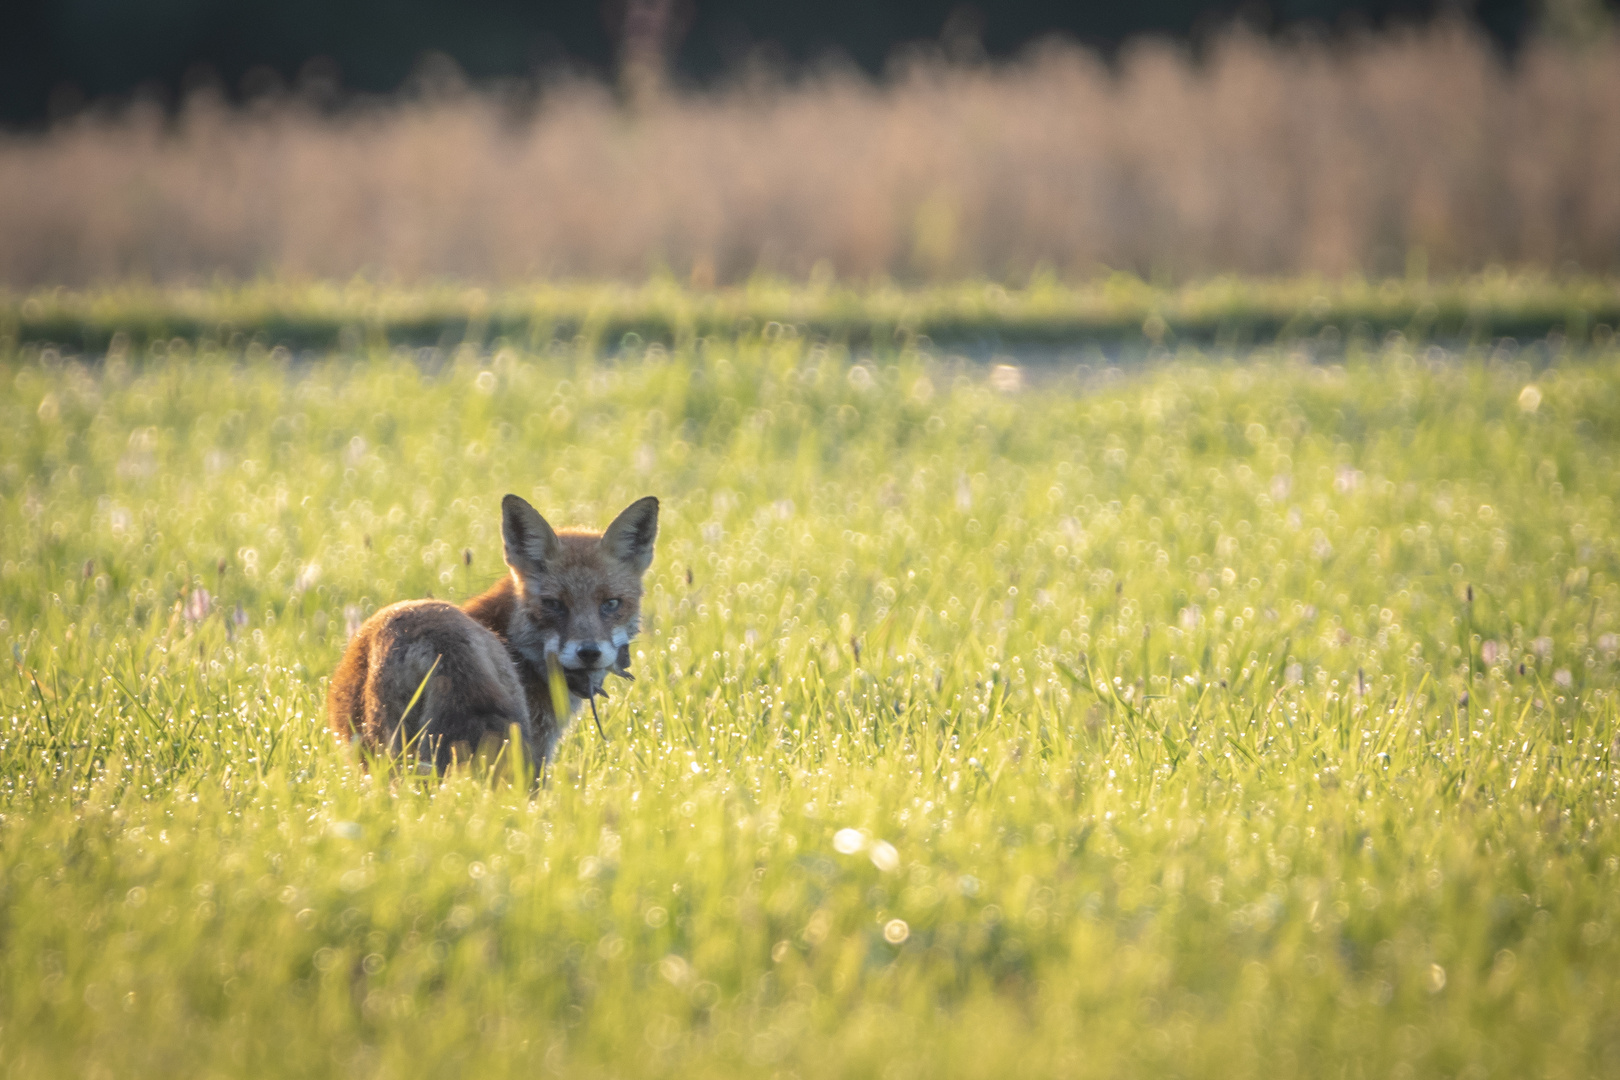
[1489, 651]
[198, 605]
[308, 575]
[675, 970]
[1294, 673]
[240, 617]
[895, 931]
[884, 856]
[1563, 678]
[1610, 644]
[849, 841]
[351, 620]
[1543, 647]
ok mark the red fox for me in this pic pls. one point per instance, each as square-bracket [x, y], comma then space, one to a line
[572, 602]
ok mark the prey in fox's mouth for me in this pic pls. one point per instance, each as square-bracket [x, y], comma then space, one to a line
[585, 665]
[591, 682]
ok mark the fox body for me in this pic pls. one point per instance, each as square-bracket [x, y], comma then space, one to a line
[570, 604]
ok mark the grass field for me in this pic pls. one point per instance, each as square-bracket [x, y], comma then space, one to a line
[1221, 716]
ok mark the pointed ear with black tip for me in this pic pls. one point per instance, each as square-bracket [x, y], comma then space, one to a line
[530, 542]
[630, 538]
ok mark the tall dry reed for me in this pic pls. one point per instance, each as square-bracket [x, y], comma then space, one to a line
[1258, 158]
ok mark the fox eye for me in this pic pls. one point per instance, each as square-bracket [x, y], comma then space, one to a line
[551, 605]
[609, 606]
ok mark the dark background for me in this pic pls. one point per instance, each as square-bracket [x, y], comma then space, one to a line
[57, 55]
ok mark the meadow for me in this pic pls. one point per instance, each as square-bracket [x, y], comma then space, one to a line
[1225, 714]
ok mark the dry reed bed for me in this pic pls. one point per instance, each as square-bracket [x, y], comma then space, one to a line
[1258, 159]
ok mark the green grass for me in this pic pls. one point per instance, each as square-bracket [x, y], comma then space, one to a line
[1230, 312]
[1214, 718]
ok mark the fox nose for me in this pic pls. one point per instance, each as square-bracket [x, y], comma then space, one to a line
[589, 655]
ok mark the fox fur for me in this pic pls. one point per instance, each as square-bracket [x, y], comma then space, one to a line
[571, 603]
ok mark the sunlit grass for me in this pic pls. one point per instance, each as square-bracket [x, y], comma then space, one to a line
[1214, 718]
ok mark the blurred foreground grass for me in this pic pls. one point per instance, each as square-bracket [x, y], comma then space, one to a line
[1219, 718]
[1230, 312]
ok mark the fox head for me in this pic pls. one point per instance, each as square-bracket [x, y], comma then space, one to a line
[578, 593]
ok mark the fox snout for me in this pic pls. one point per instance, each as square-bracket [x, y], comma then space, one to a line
[587, 655]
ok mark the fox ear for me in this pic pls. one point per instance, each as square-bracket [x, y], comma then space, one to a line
[530, 543]
[630, 538]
